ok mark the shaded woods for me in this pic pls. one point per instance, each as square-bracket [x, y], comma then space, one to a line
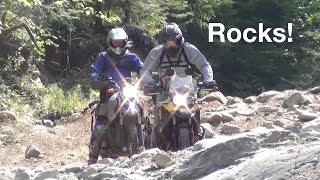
[65, 36]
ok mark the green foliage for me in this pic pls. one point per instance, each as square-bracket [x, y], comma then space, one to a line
[65, 29]
[58, 101]
[31, 96]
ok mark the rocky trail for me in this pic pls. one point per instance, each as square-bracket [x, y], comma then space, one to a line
[271, 136]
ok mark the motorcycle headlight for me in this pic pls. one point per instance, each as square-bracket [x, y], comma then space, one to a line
[130, 91]
[180, 99]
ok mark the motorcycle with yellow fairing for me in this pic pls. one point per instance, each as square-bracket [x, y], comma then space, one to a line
[178, 113]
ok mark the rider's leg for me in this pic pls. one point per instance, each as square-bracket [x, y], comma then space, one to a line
[96, 140]
[98, 134]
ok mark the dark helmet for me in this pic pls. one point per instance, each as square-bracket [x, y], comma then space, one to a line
[172, 32]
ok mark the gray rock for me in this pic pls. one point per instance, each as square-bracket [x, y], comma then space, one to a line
[89, 171]
[250, 99]
[215, 96]
[268, 163]
[46, 175]
[315, 90]
[71, 168]
[109, 172]
[233, 100]
[263, 97]
[162, 160]
[7, 115]
[310, 126]
[277, 136]
[48, 123]
[216, 117]
[267, 109]
[32, 151]
[130, 177]
[67, 177]
[244, 112]
[295, 99]
[108, 161]
[23, 174]
[217, 157]
[146, 154]
[282, 123]
[230, 129]
[292, 107]
[208, 130]
[6, 175]
[307, 116]
[102, 175]
[38, 170]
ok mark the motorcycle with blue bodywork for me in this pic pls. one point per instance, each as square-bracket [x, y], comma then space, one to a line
[124, 135]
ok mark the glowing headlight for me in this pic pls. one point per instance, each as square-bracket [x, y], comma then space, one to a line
[179, 99]
[130, 91]
[132, 107]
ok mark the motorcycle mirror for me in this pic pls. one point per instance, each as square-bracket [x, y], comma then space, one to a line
[169, 72]
[188, 71]
[129, 44]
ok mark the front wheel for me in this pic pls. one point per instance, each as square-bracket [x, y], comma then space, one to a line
[133, 140]
[183, 138]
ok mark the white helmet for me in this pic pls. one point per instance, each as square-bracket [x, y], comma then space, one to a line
[117, 34]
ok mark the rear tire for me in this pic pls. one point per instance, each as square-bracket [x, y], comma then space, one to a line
[183, 138]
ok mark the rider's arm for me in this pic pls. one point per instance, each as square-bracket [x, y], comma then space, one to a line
[137, 64]
[200, 61]
[151, 64]
[95, 81]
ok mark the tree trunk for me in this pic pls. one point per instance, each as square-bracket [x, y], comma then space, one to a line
[127, 12]
[98, 20]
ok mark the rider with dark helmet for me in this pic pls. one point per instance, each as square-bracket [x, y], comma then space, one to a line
[176, 53]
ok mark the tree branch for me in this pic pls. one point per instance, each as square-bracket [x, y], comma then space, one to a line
[7, 31]
[3, 17]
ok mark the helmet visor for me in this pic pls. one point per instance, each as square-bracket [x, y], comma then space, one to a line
[118, 43]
